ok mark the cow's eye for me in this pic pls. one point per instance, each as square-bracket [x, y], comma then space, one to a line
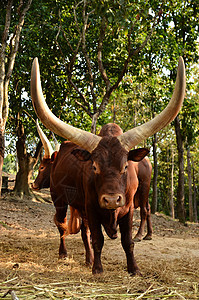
[96, 168]
[124, 169]
[41, 168]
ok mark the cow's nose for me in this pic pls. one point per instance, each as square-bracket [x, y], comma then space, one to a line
[34, 186]
[112, 201]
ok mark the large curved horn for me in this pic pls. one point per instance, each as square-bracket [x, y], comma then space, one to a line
[80, 137]
[134, 136]
[46, 143]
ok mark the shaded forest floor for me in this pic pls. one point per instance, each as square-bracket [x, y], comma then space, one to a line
[29, 263]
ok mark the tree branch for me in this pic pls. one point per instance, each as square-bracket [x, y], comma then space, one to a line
[85, 20]
[110, 89]
[70, 65]
[13, 53]
[99, 54]
[84, 108]
[2, 57]
[75, 16]
[65, 37]
[15, 40]
[5, 32]
[134, 52]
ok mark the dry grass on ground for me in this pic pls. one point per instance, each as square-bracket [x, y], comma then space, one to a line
[29, 264]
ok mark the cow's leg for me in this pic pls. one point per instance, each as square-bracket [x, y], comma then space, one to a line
[97, 239]
[85, 233]
[149, 224]
[143, 217]
[61, 222]
[97, 243]
[127, 243]
[145, 214]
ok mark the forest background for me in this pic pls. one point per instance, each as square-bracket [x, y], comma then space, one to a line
[104, 61]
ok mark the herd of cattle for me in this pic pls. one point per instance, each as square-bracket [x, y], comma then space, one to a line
[99, 177]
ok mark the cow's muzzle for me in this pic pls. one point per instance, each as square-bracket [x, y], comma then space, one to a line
[112, 201]
[35, 187]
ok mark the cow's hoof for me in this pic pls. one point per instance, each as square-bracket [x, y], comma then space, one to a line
[89, 263]
[97, 271]
[135, 272]
[62, 255]
[136, 239]
[147, 238]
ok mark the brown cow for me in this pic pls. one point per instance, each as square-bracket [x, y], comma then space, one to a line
[103, 185]
[141, 199]
[143, 168]
[43, 178]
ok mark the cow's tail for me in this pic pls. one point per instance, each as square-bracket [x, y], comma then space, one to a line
[62, 226]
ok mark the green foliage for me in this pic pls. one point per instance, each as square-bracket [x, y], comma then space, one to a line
[9, 164]
[148, 82]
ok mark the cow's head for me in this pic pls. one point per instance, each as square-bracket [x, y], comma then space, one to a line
[109, 155]
[43, 177]
[110, 166]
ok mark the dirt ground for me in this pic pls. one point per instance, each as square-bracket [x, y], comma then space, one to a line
[29, 265]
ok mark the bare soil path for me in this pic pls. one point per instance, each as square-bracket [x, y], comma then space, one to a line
[29, 263]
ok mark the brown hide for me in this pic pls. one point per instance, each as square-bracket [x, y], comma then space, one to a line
[43, 181]
[74, 176]
[141, 199]
[143, 171]
[43, 178]
[101, 180]
[90, 183]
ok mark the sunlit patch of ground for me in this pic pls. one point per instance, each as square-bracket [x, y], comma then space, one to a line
[29, 263]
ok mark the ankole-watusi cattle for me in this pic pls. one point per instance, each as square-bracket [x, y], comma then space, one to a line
[143, 168]
[43, 178]
[103, 185]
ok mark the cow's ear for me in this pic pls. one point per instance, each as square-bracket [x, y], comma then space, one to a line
[53, 156]
[137, 154]
[81, 154]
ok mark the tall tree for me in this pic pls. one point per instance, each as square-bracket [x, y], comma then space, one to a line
[180, 191]
[26, 162]
[102, 38]
[14, 13]
[180, 39]
[171, 198]
[154, 205]
[190, 185]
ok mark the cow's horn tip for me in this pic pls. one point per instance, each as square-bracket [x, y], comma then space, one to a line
[35, 59]
[181, 62]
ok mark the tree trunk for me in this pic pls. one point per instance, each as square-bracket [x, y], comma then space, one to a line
[7, 65]
[190, 185]
[94, 123]
[171, 202]
[26, 164]
[23, 176]
[195, 213]
[155, 176]
[180, 189]
[2, 147]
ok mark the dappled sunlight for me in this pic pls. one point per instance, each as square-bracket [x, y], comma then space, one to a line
[29, 264]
